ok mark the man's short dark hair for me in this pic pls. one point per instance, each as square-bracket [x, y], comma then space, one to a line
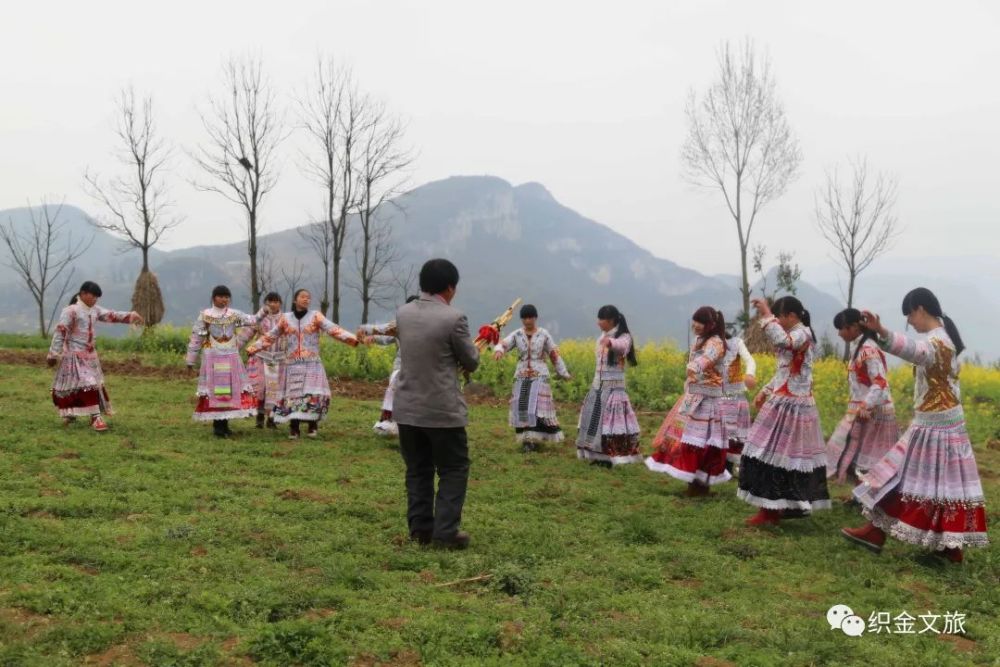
[221, 290]
[437, 275]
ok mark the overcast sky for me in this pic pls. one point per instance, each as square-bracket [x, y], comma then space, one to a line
[584, 97]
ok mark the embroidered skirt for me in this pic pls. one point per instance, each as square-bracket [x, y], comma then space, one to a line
[926, 490]
[691, 444]
[533, 412]
[265, 376]
[224, 388]
[736, 421]
[78, 388]
[608, 428]
[857, 445]
[783, 465]
[305, 392]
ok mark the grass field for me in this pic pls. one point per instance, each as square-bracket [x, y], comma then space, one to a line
[157, 544]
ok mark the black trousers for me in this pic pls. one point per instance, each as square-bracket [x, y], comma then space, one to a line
[426, 451]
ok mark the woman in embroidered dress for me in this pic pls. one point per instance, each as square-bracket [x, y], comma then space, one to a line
[78, 389]
[740, 374]
[869, 429]
[691, 444]
[305, 389]
[224, 389]
[608, 429]
[264, 368]
[783, 466]
[385, 334]
[926, 490]
[532, 410]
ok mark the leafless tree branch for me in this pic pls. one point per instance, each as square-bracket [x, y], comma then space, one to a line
[42, 254]
[245, 127]
[740, 143]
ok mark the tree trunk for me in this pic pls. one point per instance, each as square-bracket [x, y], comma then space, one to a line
[254, 286]
[336, 285]
[41, 317]
[850, 304]
[745, 287]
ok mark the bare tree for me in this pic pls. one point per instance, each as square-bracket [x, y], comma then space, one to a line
[382, 160]
[245, 128]
[404, 280]
[319, 235]
[292, 280]
[331, 111]
[739, 142]
[43, 266]
[374, 259]
[138, 210]
[857, 218]
[267, 272]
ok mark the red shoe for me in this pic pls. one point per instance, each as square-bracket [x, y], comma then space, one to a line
[952, 554]
[764, 516]
[99, 425]
[868, 536]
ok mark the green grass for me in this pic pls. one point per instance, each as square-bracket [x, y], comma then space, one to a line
[157, 544]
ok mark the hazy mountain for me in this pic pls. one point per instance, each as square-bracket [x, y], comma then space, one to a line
[507, 241]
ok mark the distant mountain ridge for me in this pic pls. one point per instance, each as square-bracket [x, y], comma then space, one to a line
[508, 241]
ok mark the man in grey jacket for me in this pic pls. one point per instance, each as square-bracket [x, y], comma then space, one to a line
[429, 409]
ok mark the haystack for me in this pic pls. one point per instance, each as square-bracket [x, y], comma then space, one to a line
[147, 300]
[755, 338]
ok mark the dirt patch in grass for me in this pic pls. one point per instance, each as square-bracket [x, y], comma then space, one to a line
[400, 658]
[27, 622]
[961, 644]
[318, 614]
[394, 623]
[305, 494]
[119, 655]
[182, 640]
[364, 390]
[709, 661]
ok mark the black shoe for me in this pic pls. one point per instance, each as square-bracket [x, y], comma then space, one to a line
[219, 428]
[602, 464]
[270, 423]
[260, 420]
[225, 427]
[461, 540]
[422, 537]
[795, 514]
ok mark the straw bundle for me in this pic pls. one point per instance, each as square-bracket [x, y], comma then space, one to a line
[147, 300]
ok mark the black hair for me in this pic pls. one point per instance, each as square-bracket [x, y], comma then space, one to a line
[846, 318]
[74, 300]
[789, 305]
[715, 323]
[924, 298]
[612, 314]
[437, 275]
[272, 296]
[528, 310]
[221, 290]
[412, 298]
[90, 287]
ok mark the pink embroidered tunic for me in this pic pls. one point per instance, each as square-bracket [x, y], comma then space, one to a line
[78, 388]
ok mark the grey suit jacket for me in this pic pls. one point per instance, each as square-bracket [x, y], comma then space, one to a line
[433, 343]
